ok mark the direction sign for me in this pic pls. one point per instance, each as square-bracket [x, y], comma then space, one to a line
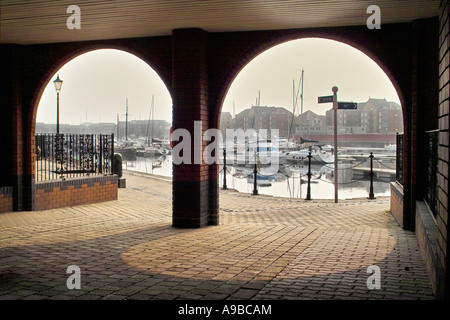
[347, 105]
[325, 99]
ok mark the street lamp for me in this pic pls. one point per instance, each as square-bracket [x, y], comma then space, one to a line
[58, 84]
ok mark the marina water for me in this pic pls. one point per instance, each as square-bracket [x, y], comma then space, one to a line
[290, 181]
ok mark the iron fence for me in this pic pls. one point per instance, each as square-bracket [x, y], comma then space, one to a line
[399, 160]
[60, 156]
[432, 138]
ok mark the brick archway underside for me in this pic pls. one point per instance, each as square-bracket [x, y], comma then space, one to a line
[198, 68]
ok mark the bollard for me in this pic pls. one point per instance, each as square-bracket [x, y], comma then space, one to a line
[117, 165]
[224, 169]
[371, 195]
[308, 189]
[117, 169]
[255, 172]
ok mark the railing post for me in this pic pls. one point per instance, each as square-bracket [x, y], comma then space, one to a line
[399, 160]
[308, 189]
[371, 195]
[255, 172]
[112, 153]
[93, 153]
[100, 160]
[224, 169]
[59, 154]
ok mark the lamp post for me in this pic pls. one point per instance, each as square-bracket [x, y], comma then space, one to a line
[58, 84]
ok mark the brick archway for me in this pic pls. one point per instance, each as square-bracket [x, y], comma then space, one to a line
[198, 68]
[231, 52]
[397, 64]
[390, 63]
[72, 55]
[155, 52]
[262, 50]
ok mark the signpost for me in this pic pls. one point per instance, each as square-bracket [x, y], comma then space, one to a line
[335, 107]
[347, 105]
[325, 99]
[341, 106]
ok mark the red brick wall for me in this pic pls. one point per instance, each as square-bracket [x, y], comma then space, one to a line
[426, 233]
[6, 199]
[397, 202]
[198, 67]
[190, 186]
[75, 191]
[26, 71]
[229, 53]
[443, 152]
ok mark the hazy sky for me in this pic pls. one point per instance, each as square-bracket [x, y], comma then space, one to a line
[97, 84]
[326, 63]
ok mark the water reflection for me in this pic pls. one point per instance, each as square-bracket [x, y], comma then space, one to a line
[290, 181]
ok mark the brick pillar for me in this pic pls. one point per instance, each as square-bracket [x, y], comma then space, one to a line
[423, 106]
[443, 151]
[190, 186]
[17, 123]
[23, 135]
[7, 122]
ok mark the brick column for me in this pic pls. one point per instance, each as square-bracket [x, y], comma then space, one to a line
[17, 126]
[190, 186]
[424, 71]
[443, 151]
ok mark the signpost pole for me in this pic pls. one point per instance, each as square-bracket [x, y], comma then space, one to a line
[335, 108]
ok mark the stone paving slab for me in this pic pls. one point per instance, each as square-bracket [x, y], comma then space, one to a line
[264, 248]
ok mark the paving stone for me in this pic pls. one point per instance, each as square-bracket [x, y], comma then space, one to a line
[244, 294]
[264, 248]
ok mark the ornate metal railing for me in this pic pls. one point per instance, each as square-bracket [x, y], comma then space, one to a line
[60, 156]
[432, 168]
[399, 160]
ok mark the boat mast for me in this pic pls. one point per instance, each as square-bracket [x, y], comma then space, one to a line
[150, 119]
[118, 125]
[301, 96]
[293, 111]
[153, 115]
[126, 123]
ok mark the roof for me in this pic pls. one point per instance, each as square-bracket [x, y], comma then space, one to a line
[44, 21]
[380, 104]
[307, 115]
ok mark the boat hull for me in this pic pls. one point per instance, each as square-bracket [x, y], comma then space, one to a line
[316, 157]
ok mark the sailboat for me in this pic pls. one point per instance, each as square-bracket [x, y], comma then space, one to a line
[301, 156]
[126, 148]
[153, 147]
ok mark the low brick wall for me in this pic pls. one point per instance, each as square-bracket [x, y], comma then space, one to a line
[6, 199]
[75, 191]
[397, 202]
[427, 235]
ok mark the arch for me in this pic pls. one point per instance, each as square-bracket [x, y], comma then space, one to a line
[273, 42]
[67, 56]
[354, 37]
[72, 55]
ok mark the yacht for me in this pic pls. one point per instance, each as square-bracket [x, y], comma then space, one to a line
[319, 156]
[265, 152]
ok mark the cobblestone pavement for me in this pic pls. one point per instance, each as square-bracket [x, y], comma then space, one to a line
[264, 248]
